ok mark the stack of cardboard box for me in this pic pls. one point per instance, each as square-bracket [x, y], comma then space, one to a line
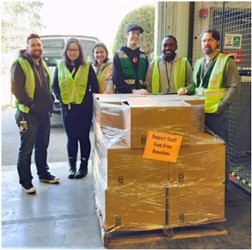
[135, 193]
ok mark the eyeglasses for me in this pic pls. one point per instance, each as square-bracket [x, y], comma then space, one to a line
[207, 40]
[73, 50]
[135, 33]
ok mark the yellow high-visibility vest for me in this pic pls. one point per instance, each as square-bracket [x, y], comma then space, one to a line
[29, 83]
[72, 89]
[179, 75]
[214, 93]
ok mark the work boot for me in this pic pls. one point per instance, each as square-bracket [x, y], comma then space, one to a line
[72, 167]
[83, 170]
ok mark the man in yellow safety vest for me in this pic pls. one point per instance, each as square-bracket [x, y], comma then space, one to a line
[169, 72]
[31, 84]
[216, 79]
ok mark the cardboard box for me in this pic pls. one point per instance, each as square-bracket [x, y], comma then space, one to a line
[196, 204]
[136, 115]
[127, 166]
[135, 208]
[203, 161]
[173, 117]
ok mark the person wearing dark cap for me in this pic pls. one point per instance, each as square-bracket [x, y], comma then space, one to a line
[130, 64]
[216, 79]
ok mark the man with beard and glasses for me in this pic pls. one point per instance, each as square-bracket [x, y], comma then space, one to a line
[31, 84]
[169, 72]
[216, 79]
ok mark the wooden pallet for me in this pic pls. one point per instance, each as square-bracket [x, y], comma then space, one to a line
[130, 238]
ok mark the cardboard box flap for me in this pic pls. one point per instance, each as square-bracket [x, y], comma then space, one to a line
[150, 102]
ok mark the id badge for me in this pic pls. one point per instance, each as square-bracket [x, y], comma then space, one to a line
[23, 126]
[200, 91]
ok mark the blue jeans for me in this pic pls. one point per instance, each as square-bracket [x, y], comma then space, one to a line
[37, 136]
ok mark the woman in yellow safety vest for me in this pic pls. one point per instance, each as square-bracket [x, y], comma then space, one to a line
[103, 67]
[73, 85]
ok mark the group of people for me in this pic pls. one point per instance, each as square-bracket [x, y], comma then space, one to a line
[215, 78]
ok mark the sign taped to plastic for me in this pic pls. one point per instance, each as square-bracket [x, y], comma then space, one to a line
[162, 146]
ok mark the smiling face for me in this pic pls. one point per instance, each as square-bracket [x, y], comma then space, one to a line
[73, 51]
[209, 44]
[169, 47]
[35, 48]
[100, 55]
[133, 38]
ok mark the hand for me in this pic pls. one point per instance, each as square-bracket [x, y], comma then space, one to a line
[182, 91]
[140, 91]
[108, 92]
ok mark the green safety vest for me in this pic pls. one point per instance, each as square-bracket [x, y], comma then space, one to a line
[179, 75]
[214, 93]
[29, 83]
[73, 90]
[129, 74]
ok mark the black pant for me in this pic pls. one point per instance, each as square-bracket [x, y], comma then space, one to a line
[218, 124]
[77, 124]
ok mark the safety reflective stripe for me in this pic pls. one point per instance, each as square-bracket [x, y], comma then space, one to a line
[155, 82]
[132, 81]
[214, 92]
[63, 69]
[195, 71]
[79, 79]
[30, 78]
[217, 72]
[101, 75]
[180, 73]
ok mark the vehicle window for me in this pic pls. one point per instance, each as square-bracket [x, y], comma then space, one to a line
[87, 46]
[53, 50]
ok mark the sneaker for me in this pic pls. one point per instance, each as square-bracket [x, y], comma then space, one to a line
[49, 179]
[28, 188]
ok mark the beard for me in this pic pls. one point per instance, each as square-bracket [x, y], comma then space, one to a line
[168, 55]
[35, 55]
[208, 50]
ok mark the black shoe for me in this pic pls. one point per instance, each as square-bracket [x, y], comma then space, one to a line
[28, 188]
[49, 179]
[71, 173]
[72, 167]
[82, 172]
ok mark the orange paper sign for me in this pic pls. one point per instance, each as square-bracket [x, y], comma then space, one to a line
[162, 146]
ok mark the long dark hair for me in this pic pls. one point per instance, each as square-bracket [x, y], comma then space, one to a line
[81, 60]
[104, 47]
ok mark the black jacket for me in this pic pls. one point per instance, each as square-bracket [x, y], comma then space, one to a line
[42, 102]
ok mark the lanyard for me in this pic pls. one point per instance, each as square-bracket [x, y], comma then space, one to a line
[168, 76]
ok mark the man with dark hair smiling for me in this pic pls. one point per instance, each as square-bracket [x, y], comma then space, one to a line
[31, 85]
[169, 72]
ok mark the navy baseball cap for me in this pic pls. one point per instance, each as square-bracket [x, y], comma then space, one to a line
[134, 26]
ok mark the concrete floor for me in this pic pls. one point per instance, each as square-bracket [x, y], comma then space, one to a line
[63, 216]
